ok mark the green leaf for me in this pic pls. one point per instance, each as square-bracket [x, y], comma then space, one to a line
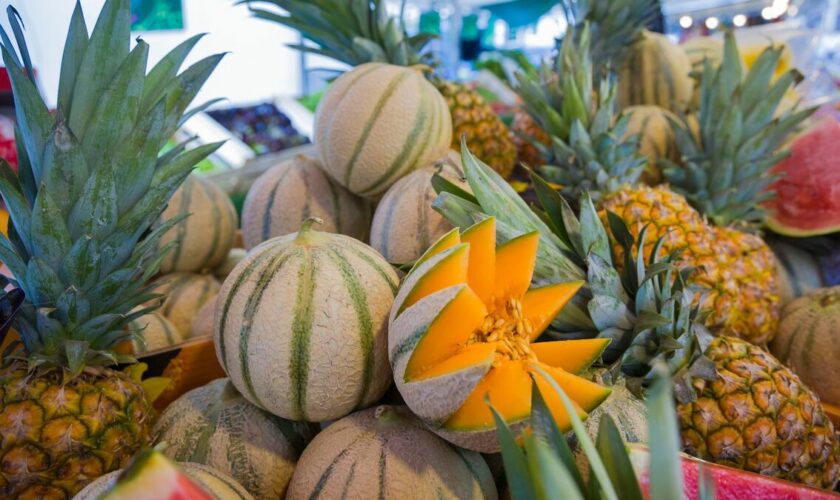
[136, 157]
[443, 185]
[20, 214]
[516, 465]
[182, 90]
[95, 213]
[164, 71]
[64, 169]
[10, 257]
[548, 473]
[545, 427]
[41, 283]
[50, 236]
[613, 452]
[593, 234]
[666, 480]
[80, 266]
[74, 50]
[76, 352]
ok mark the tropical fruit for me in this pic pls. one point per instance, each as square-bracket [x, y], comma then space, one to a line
[202, 325]
[527, 135]
[205, 236]
[152, 476]
[809, 341]
[89, 187]
[807, 201]
[652, 125]
[355, 33]
[385, 452]
[462, 329]
[185, 294]
[757, 415]
[655, 71]
[405, 224]
[233, 258]
[154, 332]
[215, 426]
[700, 49]
[294, 190]
[300, 313]
[377, 123]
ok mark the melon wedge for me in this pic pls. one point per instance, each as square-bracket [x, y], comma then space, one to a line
[468, 357]
[482, 240]
[152, 476]
[445, 242]
[508, 388]
[555, 405]
[515, 265]
[573, 356]
[450, 270]
[541, 305]
[585, 393]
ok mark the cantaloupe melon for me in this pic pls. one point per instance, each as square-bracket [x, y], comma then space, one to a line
[656, 138]
[215, 426]
[808, 340]
[156, 331]
[291, 192]
[219, 485]
[378, 122]
[655, 71]
[385, 452]
[233, 258]
[185, 294]
[301, 325]
[405, 224]
[799, 271]
[202, 325]
[206, 235]
[460, 333]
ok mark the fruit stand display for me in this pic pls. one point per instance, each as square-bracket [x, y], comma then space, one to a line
[381, 313]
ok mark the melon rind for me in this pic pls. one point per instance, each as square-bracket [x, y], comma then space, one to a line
[157, 333]
[418, 274]
[185, 294]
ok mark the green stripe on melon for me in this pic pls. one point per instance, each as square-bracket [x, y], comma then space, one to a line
[215, 426]
[291, 192]
[156, 331]
[302, 312]
[185, 294]
[207, 233]
[656, 72]
[385, 452]
[377, 123]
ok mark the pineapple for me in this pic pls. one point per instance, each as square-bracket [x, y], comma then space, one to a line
[81, 248]
[527, 134]
[358, 32]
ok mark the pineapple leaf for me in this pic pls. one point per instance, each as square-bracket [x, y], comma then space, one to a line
[64, 168]
[165, 71]
[545, 427]
[25, 175]
[20, 214]
[74, 51]
[50, 236]
[182, 90]
[443, 185]
[76, 352]
[666, 480]
[593, 234]
[516, 465]
[10, 257]
[550, 476]
[136, 157]
[199, 109]
[17, 28]
[95, 213]
[614, 454]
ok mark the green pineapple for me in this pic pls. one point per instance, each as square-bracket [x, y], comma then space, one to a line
[82, 246]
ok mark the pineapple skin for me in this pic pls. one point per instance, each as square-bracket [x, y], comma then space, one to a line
[525, 126]
[487, 136]
[736, 271]
[758, 416]
[58, 432]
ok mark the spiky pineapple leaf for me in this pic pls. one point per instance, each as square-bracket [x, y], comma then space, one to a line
[545, 428]
[613, 452]
[666, 480]
[516, 465]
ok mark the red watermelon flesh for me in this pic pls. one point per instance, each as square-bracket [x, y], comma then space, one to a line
[152, 476]
[807, 201]
[729, 483]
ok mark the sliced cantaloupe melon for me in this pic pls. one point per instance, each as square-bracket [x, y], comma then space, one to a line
[469, 356]
[445, 242]
[482, 240]
[585, 393]
[541, 305]
[573, 356]
[555, 405]
[450, 270]
[514, 266]
[448, 332]
[508, 388]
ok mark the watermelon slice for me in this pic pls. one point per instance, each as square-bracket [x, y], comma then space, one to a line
[152, 476]
[729, 483]
[807, 201]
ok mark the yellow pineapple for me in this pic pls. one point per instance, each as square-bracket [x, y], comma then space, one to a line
[525, 132]
[81, 248]
[355, 33]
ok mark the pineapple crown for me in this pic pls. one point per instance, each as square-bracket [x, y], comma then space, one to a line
[350, 31]
[589, 150]
[726, 171]
[614, 26]
[91, 183]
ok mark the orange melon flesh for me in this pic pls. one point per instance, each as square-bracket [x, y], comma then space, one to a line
[447, 333]
[482, 240]
[583, 392]
[541, 305]
[555, 405]
[508, 386]
[445, 242]
[469, 356]
[515, 266]
[573, 356]
[450, 271]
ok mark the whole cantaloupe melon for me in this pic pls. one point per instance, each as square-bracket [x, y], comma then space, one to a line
[405, 224]
[294, 190]
[215, 426]
[377, 123]
[206, 235]
[156, 331]
[185, 293]
[301, 325]
[385, 452]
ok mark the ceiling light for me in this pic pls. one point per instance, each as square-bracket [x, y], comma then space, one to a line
[686, 22]
[739, 20]
[712, 23]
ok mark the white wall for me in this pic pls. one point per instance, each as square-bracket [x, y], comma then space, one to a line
[259, 65]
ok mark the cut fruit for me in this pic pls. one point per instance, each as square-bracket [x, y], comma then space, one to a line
[514, 265]
[445, 242]
[482, 240]
[153, 476]
[807, 201]
[451, 270]
[583, 392]
[468, 357]
[555, 404]
[541, 305]
[573, 356]
[508, 389]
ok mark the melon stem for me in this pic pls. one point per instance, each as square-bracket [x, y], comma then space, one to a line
[306, 231]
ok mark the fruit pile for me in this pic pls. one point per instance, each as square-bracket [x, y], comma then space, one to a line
[396, 320]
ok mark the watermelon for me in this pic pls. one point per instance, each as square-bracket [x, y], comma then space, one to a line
[729, 483]
[301, 325]
[807, 201]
